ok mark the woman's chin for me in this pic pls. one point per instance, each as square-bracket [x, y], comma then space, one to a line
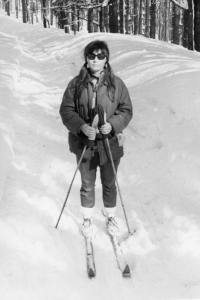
[96, 70]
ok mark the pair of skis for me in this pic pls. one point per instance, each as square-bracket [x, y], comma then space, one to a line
[122, 264]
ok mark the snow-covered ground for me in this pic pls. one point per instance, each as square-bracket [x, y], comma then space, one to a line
[159, 175]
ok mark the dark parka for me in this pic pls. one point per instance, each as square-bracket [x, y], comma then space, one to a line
[74, 114]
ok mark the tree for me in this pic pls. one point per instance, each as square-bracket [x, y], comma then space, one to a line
[190, 25]
[160, 22]
[74, 19]
[185, 29]
[106, 20]
[8, 7]
[136, 15]
[197, 25]
[176, 29]
[147, 20]
[121, 15]
[113, 16]
[166, 19]
[16, 8]
[102, 19]
[24, 11]
[127, 16]
[153, 20]
[141, 16]
[90, 20]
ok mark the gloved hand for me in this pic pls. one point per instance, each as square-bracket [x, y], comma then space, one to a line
[89, 131]
[106, 128]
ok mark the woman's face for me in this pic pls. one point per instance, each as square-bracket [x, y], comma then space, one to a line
[96, 65]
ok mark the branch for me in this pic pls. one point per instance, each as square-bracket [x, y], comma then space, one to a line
[91, 6]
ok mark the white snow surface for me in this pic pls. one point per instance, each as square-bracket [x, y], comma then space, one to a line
[159, 175]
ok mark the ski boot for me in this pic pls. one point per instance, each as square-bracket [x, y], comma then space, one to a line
[112, 226]
[87, 229]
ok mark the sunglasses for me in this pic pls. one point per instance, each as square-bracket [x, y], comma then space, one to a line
[100, 56]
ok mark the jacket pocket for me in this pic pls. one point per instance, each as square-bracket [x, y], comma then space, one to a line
[76, 146]
[117, 151]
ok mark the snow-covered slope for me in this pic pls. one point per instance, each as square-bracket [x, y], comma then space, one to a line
[159, 175]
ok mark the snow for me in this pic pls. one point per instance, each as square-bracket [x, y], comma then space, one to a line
[181, 3]
[159, 175]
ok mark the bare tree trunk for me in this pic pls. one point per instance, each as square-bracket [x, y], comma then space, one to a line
[24, 11]
[153, 20]
[159, 20]
[102, 19]
[68, 17]
[164, 12]
[16, 8]
[162, 20]
[51, 13]
[74, 19]
[8, 7]
[121, 14]
[44, 12]
[90, 20]
[176, 29]
[147, 21]
[136, 19]
[113, 20]
[106, 19]
[81, 16]
[36, 10]
[96, 17]
[78, 19]
[140, 16]
[185, 29]
[170, 30]
[132, 16]
[62, 19]
[30, 11]
[167, 23]
[127, 16]
[181, 27]
[197, 25]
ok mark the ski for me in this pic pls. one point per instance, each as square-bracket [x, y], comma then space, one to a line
[121, 260]
[90, 258]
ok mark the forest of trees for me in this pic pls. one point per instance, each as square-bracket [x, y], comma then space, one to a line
[175, 21]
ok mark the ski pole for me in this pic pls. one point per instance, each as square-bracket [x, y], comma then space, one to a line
[94, 125]
[120, 195]
[71, 185]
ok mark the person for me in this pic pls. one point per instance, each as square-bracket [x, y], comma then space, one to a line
[96, 106]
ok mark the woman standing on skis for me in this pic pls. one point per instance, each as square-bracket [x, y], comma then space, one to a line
[96, 95]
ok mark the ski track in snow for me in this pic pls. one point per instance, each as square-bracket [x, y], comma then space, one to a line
[159, 175]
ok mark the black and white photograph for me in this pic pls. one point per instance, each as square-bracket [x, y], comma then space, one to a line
[99, 149]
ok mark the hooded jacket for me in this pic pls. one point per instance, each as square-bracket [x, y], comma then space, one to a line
[75, 112]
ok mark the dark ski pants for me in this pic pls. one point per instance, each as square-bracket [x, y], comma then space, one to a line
[88, 169]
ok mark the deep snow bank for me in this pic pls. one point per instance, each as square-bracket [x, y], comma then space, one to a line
[9, 75]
